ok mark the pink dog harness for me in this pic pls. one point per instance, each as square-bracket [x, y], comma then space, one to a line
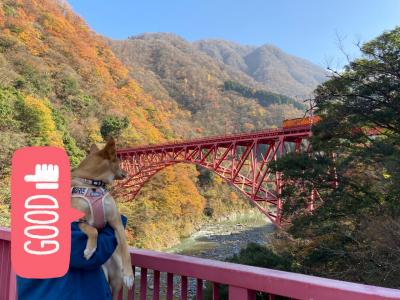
[94, 196]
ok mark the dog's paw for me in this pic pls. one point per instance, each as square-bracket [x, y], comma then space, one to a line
[88, 253]
[128, 281]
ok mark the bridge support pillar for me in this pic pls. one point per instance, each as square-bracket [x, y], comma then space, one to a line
[312, 200]
[278, 181]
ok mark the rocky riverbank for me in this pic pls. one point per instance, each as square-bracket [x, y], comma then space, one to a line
[224, 238]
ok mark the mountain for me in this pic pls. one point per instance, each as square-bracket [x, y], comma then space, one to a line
[175, 70]
[276, 70]
[62, 85]
[50, 54]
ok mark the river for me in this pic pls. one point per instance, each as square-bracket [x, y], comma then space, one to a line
[222, 239]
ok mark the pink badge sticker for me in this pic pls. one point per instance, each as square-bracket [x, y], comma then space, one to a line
[41, 212]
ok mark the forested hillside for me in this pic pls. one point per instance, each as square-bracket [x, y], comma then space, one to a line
[61, 85]
[175, 70]
[269, 66]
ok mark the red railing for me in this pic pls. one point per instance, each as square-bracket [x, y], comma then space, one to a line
[7, 276]
[240, 137]
[242, 281]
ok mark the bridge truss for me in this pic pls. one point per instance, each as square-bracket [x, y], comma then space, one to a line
[242, 160]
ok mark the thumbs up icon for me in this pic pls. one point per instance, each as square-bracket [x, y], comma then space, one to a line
[46, 177]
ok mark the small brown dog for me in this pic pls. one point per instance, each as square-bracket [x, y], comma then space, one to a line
[89, 195]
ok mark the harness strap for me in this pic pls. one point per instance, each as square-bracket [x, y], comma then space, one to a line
[95, 198]
[93, 182]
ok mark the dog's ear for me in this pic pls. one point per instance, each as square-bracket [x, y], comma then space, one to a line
[109, 149]
[93, 149]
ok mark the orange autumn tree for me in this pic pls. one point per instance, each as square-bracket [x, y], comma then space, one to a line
[69, 81]
[179, 197]
[38, 120]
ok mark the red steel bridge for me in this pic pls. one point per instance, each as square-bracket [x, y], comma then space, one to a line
[243, 160]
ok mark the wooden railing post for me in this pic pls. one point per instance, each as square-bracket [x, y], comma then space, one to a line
[170, 286]
[199, 289]
[143, 284]
[184, 288]
[13, 286]
[156, 285]
[215, 291]
[239, 293]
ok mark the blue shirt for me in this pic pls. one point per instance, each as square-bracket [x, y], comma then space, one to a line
[85, 278]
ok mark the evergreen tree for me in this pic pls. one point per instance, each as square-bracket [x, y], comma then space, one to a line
[354, 232]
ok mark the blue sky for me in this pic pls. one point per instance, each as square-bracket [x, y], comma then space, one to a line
[307, 28]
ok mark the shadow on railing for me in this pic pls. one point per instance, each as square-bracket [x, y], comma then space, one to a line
[243, 281]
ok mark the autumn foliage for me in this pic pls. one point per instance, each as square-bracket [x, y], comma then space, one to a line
[61, 85]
